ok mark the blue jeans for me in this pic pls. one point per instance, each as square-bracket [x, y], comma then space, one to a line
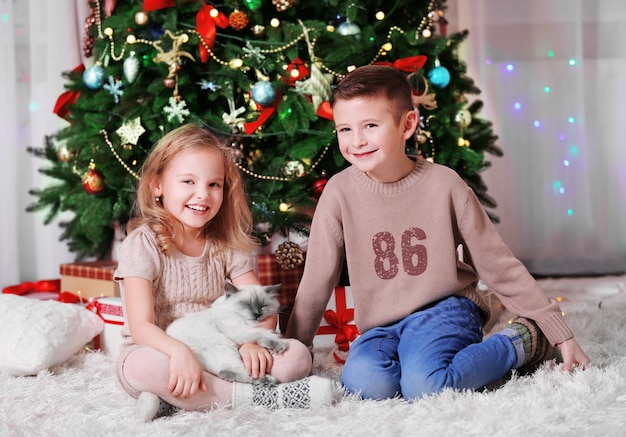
[436, 347]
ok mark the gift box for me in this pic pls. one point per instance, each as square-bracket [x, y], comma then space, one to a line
[337, 329]
[90, 279]
[270, 272]
[111, 311]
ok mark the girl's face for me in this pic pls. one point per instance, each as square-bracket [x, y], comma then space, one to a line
[370, 138]
[192, 187]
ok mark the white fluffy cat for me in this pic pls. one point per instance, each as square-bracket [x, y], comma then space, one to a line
[215, 334]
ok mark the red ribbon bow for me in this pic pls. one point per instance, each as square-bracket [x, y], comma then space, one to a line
[325, 111]
[409, 65]
[47, 286]
[155, 5]
[44, 286]
[68, 98]
[205, 26]
[345, 333]
[339, 323]
[266, 113]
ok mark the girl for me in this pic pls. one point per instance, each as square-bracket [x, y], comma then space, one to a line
[191, 235]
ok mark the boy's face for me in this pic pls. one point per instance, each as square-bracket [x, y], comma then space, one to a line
[370, 139]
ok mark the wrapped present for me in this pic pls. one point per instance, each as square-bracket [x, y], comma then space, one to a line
[90, 279]
[270, 272]
[48, 289]
[42, 290]
[111, 311]
[337, 329]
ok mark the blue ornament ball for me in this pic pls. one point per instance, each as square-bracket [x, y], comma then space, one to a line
[439, 77]
[94, 77]
[263, 93]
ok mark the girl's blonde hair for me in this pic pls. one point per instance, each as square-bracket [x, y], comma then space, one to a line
[231, 227]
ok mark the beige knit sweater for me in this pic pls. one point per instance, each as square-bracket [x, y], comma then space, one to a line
[400, 242]
[180, 283]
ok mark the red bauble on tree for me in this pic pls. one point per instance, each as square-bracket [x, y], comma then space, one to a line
[93, 181]
[318, 184]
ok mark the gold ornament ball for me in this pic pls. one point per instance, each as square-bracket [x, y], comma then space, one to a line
[141, 18]
[463, 118]
[63, 153]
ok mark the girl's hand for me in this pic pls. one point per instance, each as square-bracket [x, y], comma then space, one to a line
[257, 360]
[186, 373]
[573, 355]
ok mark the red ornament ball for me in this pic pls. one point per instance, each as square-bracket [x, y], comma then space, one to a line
[318, 186]
[93, 181]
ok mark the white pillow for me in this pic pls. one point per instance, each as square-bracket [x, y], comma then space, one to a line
[39, 334]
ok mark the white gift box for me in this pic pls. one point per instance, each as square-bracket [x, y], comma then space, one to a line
[110, 310]
[337, 329]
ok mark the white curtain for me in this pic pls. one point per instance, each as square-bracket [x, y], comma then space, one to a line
[39, 39]
[560, 188]
[552, 75]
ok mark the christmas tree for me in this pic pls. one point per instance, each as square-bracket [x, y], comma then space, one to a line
[259, 73]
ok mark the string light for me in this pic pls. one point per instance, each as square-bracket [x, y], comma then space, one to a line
[117, 156]
[279, 178]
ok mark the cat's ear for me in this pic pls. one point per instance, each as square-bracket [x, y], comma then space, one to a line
[272, 289]
[230, 289]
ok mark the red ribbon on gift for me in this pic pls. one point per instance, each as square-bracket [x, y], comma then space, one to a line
[68, 98]
[101, 308]
[339, 323]
[409, 65]
[205, 26]
[46, 286]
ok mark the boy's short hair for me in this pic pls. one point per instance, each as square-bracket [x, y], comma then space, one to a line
[376, 81]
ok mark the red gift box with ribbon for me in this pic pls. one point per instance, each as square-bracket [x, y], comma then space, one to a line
[110, 310]
[337, 329]
[270, 272]
[89, 279]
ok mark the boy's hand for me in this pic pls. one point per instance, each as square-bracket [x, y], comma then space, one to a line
[573, 355]
[256, 359]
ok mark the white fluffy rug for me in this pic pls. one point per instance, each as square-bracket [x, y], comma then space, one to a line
[82, 398]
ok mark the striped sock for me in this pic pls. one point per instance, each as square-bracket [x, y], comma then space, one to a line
[310, 392]
[537, 348]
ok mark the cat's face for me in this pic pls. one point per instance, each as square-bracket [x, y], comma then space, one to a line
[257, 301]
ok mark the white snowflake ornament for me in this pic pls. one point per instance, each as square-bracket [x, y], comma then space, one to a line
[177, 109]
[130, 131]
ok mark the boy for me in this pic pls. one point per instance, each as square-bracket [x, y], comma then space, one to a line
[398, 222]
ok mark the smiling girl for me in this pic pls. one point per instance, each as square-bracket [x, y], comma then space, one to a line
[191, 235]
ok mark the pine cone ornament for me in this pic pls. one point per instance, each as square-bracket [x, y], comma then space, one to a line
[289, 255]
